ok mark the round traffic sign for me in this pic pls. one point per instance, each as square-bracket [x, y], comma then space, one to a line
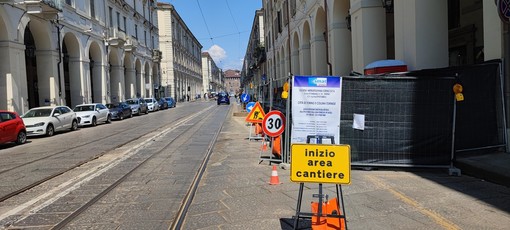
[273, 123]
[245, 97]
[250, 106]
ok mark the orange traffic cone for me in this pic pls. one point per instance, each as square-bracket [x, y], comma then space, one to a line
[264, 146]
[274, 177]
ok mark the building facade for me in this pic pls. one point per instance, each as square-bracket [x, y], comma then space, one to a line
[254, 71]
[69, 52]
[232, 81]
[213, 75]
[182, 61]
[340, 37]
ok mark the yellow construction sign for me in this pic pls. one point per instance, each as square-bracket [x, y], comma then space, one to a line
[319, 163]
[256, 114]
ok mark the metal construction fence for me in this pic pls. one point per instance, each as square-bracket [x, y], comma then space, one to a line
[414, 120]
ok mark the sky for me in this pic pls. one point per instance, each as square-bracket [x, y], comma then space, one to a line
[221, 26]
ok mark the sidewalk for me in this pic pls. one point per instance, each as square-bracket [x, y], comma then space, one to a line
[235, 193]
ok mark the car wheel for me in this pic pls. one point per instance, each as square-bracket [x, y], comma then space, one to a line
[130, 114]
[94, 121]
[147, 111]
[121, 116]
[22, 138]
[50, 130]
[74, 126]
[138, 112]
[109, 119]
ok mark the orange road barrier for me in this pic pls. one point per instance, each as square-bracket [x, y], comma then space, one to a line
[258, 129]
[274, 177]
[326, 223]
[277, 150]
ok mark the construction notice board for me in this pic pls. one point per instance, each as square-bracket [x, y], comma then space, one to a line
[320, 163]
[316, 103]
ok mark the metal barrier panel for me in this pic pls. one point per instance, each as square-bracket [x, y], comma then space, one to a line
[407, 120]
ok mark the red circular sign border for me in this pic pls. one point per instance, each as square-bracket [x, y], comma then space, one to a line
[264, 123]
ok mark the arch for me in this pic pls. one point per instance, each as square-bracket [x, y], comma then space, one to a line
[319, 52]
[295, 54]
[116, 80]
[305, 54]
[130, 75]
[156, 76]
[148, 86]
[72, 71]
[139, 77]
[97, 85]
[40, 80]
[341, 48]
[4, 32]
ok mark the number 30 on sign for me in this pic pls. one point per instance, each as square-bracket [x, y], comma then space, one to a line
[273, 123]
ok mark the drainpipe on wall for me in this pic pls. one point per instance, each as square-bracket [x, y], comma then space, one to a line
[57, 25]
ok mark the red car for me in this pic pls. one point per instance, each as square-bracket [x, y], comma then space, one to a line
[12, 128]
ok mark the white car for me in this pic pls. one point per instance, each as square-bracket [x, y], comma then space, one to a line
[152, 104]
[49, 119]
[92, 114]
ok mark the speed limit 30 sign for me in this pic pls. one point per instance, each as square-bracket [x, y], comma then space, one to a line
[273, 123]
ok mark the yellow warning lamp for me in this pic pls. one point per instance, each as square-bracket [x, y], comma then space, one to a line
[285, 92]
[286, 87]
[457, 89]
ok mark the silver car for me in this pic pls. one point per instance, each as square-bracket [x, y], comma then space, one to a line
[138, 106]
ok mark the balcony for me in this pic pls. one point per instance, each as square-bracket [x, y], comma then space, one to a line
[131, 44]
[116, 37]
[49, 7]
[156, 55]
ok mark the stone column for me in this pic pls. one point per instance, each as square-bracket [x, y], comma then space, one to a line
[421, 40]
[130, 76]
[368, 30]
[117, 83]
[13, 81]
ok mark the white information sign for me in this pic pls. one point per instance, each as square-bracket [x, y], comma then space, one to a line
[316, 107]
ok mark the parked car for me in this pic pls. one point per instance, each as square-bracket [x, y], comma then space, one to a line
[12, 128]
[91, 114]
[47, 120]
[138, 106]
[120, 110]
[223, 98]
[162, 103]
[152, 104]
[171, 102]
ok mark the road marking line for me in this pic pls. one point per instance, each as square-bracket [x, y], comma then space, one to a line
[445, 223]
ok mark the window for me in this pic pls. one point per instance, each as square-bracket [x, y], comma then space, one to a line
[125, 24]
[92, 9]
[110, 16]
[118, 20]
[145, 37]
[136, 31]
[69, 2]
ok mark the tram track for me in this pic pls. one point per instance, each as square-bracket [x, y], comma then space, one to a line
[189, 195]
[188, 198]
[23, 189]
